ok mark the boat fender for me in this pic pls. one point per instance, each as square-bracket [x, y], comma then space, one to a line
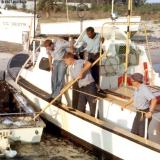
[146, 78]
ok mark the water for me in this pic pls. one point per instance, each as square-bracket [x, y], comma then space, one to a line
[51, 147]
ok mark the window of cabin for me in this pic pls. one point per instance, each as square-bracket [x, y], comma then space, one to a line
[44, 64]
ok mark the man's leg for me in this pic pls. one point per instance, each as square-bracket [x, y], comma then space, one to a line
[60, 74]
[141, 129]
[134, 129]
[91, 89]
[82, 101]
[95, 73]
[95, 68]
[54, 78]
[75, 96]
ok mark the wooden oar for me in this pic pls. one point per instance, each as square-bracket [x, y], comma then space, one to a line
[64, 90]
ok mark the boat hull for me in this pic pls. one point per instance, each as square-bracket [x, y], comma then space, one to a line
[25, 135]
[94, 132]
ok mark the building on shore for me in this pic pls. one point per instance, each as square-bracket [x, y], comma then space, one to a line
[25, 4]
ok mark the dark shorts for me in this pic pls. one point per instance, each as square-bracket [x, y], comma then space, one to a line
[138, 127]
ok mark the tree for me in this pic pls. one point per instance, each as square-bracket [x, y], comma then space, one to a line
[47, 6]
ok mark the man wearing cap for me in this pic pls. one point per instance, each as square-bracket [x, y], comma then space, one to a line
[143, 100]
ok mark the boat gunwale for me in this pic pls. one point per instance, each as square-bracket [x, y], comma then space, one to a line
[109, 126]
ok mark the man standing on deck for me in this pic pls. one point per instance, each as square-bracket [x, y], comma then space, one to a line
[91, 47]
[143, 101]
[80, 68]
[55, 51]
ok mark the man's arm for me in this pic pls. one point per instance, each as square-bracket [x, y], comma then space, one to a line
[128, 103]
[86, 67]
[50, 61]
[151, 108]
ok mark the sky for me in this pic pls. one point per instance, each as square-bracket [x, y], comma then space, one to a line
[153, 1]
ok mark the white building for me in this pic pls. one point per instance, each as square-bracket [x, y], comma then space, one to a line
[18, 3]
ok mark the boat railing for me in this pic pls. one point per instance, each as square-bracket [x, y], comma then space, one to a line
[24, 65]
[16, 114]
[122, 108]
[31, 57]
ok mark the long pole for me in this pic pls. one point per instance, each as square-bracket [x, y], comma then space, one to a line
[34, 34]
[127, 41]
[146, 128]
[67, 11]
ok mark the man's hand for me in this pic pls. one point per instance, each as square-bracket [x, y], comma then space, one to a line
[51, 67]
[148, 114]
[80, 76]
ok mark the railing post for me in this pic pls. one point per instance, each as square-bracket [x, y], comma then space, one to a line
[146, 128]
[97, 110]
[34, 52]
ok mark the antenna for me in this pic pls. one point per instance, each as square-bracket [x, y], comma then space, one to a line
[112, 8]
[114, 16]
[81, 8]
[67, 11]
[34, 25]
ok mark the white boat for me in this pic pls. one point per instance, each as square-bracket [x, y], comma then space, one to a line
[76, 27]
[16, 120]
[110, 132]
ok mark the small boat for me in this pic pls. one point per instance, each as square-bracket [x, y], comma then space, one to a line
[110, 132]
[16, 120]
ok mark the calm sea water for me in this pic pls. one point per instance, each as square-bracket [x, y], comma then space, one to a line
[51, 147]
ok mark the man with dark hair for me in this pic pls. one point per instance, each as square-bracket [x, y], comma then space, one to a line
[80, 68]
[91, 47]
[143, 100]
[90, 29]
[55, 51]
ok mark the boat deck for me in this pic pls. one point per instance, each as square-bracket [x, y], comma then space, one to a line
[19, 121]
